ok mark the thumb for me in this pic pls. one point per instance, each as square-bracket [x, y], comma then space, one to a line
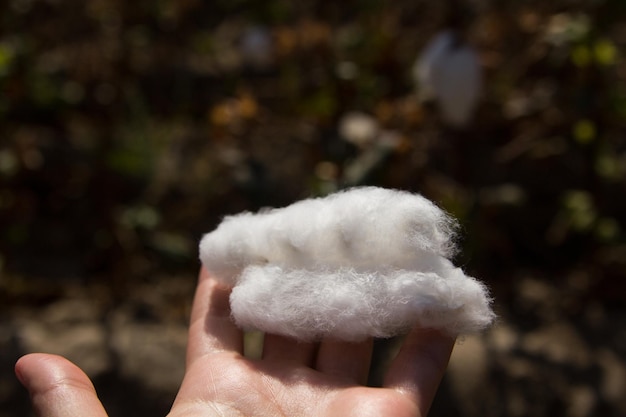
[57, 387]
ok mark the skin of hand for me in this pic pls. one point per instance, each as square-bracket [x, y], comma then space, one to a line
[291, 379]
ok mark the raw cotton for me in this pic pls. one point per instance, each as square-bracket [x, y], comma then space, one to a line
[363, 262]
[448, 71]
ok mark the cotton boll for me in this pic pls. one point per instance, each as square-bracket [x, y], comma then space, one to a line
[362, 262]
[448, 71]
[359, 128]
[364, 227]
[354, 305]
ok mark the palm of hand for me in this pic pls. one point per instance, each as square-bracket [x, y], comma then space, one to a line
[299, 379]
[271, 389]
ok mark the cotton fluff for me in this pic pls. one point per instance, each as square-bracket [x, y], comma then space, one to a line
[448, 72]
[363, 262]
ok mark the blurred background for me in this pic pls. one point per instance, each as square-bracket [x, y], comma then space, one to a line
[128, 129]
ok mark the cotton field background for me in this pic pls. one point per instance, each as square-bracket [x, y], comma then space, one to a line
[129, 129]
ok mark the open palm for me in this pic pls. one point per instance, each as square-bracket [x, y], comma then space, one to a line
[291, 379]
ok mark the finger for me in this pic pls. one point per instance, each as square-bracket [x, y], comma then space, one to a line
[284, 349]
[345, 360]
[57, 387]
[419, 366]
[212, 329]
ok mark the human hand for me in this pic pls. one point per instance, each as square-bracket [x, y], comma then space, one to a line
[291, 379]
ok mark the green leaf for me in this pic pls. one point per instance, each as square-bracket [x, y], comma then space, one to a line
[605, 52]
[581, 56]
[584, 131]
[607, 229]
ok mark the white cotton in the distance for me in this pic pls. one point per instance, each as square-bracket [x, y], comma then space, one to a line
[358, 128]
[448, 71]
[363, 262]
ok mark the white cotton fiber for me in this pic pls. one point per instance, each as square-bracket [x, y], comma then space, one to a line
[363, 262]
